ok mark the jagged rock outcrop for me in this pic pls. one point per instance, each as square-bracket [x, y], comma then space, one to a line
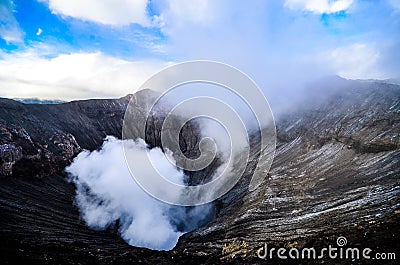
[9, 154]
[336, 173]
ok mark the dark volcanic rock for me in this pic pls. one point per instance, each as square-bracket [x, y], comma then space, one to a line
[9, 154]
[336, 173]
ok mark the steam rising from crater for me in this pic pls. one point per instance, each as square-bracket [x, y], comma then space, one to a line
[106, 191]
[107, 195]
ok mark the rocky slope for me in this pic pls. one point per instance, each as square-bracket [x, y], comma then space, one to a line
[336, 172]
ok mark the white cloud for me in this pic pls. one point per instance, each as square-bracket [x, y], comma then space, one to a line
[177, 13]
[319, 6]
[235, 32]
[111, 12]
[72, 76]
[355, 61]
[9, 28]
[39, 32]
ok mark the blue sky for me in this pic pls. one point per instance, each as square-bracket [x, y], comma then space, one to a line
[90, 48]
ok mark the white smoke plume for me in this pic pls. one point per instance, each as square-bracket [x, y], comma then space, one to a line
[107, 195]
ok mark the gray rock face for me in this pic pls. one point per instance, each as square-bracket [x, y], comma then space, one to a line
[336, 172]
